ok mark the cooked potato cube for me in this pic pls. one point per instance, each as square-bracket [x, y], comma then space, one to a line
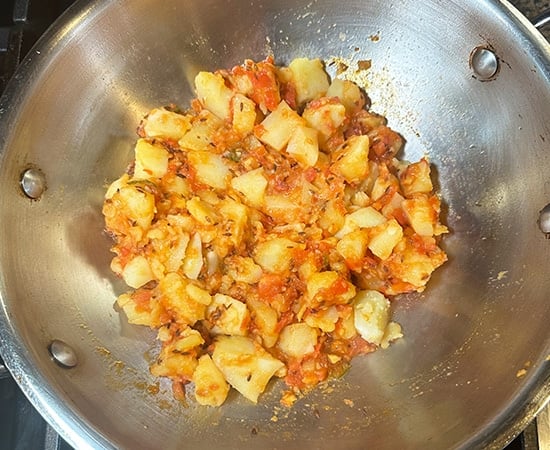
[328, 288]
[266, 319]
[245, 365]
[385, 237]
[310, 79]
[348, 93]
[228, 316]
[362, 218]
[166, 124]
[214, 94]
[420, 214]
[243, 114]
[130, 203]
[392, 332]
[115, 186]
[275, 255]
[209, 168]
[303, 146]
[325, 116]
[252, 185]
[137, 272]
[332, 217]
[202, 212]
[149, 315]
[324, 319]
[176, 299]
[243, 269]
[211, 389]
[193, 261]
[353, 247]
[276, 129]
[415, 179]
[297, 340]
[352, 159]
[201, 134]
[371, 315]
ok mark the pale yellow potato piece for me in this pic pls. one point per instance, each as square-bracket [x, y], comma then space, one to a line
[252, 185]
[137, 272]
[371, 315]
[297, 340]
[310, 79]
[244, 114]
[352, 159]
[348, 93]
[275, 130]
[211, 389]
[228, 316]
[209, 168]
[303, 146]
[362, 218]
[420, 215]
[385, 238]
[275, 255]
[266, 319]
[214, 94]
[246, 365]
[166, 124]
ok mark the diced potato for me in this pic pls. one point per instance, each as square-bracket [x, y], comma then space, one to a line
[116, 185]
[201, 134]
[209, 168]
[297, 340]
[166, 124]
[211, 389]
[348, 93]
[137, 272]
[393, 207]
[310, 79]
[385, 237]
[371, 315]
[243, 114]
[332, 217]
[140, 316]
[236, 219]
[243, 269]
[352, 159]
[325, 116]
[177, 300]
[198, 294]
[173, 363]
[303, 146]
[275, 130]
[275, 255]
[252, 185]
[245, 365]
[228, 316]
[202, 212]
[134, 204]
[328, 287]
[415, 179]
[193, 261]
[282, 208]
[384, 181]
[214, 94]
[266, 319]
[353, 247]
[362, 218]
[420, 214]
[324, 319]
[393, 331]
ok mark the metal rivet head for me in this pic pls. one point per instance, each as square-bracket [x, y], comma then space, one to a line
[484, 63]
[33, 183]
[63, 354]
[544, 220]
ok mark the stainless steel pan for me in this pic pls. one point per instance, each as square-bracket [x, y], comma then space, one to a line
[474, 365]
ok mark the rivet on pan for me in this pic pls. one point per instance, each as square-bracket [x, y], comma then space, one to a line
[33, 183]
[63, 354]
[484, 63]
[544, 220]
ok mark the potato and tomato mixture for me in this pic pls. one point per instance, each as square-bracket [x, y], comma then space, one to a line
[264, 230]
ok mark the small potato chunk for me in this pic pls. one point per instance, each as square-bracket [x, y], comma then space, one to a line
[324, 319]
[266, 319]
[297, 340]
[276, 129]
[137, 272]
[348, 93]
[211, 389]
[228, 316]
[202, 212]
[325, 115]
[353, 247]
[275, 255]
[243, 269]
[130, 203]
[371, 315]
[201, 134]
[193, 260]
[214, 94]
[303, 146]
[362, 218]
[151, 160]
[328, 288]
[310, 79]
[384, 239]
[420, 214]
[209, 168]
[177, 299]
[243, 114]
[166, 124]
[252, 185]
[352, 159]
[245, 365]
[415, 179]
